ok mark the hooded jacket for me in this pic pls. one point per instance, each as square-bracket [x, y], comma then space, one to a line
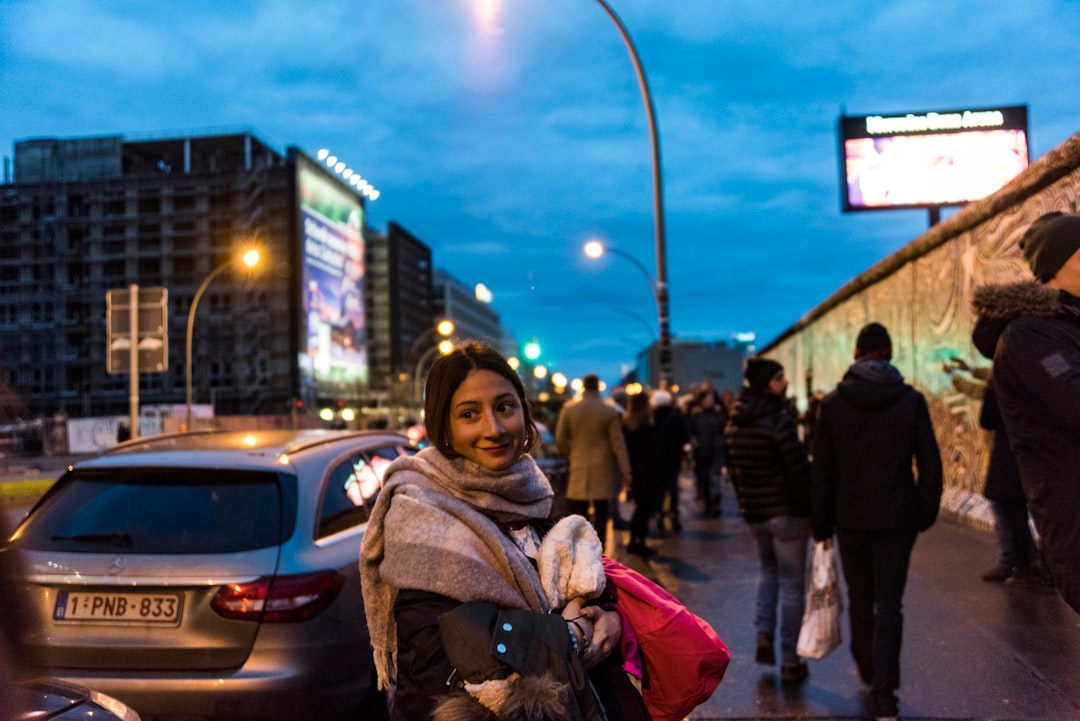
[1033, 333]
[868, 432]
[766, 459]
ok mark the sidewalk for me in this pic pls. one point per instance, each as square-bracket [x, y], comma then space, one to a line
[972, 650]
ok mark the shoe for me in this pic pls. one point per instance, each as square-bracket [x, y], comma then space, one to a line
[640, 549]
[997, 574]
[765, 653]
[885, 706]
[794, 672]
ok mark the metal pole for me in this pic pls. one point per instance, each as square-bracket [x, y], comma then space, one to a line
[658, 203]
[418, 379]
[639, 264]
[133, 362]
[191, 325]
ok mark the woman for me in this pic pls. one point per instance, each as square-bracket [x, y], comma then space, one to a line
[645, 484]
[456, 533]
[771, 474]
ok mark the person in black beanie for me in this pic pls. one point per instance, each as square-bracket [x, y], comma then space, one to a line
[869, 432]
[1032, 331]
[770, 471]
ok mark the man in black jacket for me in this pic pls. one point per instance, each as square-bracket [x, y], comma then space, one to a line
[869, 431]
[1032, 330]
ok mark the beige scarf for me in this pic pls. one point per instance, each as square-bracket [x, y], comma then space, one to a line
[435, 527]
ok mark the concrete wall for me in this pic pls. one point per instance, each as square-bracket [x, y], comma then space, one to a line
[922, 294]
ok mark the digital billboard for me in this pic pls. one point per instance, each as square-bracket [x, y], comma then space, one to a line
[930, 159]
[333, 357]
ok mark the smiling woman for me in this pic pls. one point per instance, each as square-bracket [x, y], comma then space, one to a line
[455, 581]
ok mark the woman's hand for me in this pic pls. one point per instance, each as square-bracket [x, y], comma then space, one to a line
[606, 634]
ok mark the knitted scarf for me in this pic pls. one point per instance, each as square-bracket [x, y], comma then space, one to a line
[435, 527]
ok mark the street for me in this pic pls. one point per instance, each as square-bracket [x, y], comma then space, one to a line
[972, 649]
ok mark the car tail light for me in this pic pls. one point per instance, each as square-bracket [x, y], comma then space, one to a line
[279, 599]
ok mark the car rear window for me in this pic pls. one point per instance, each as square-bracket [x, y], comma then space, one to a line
[159, 511]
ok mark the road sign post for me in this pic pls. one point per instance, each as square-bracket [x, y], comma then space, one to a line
[138, 338]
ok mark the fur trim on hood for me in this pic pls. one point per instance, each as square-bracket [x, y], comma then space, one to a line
[1013, 299]
[996, 305]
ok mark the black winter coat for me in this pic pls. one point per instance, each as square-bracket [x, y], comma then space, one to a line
[868, 432]
[646, 483]
[671, 436]
[1002, 474]
[767, 462]
[1033, 333]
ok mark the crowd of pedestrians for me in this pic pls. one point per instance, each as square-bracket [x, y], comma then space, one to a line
[861, 468]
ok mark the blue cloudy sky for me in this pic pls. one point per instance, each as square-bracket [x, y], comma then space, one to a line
[507, 134]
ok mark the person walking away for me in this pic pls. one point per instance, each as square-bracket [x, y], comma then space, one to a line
[589, 434]
[454, 569]
[871, 432]
[709, 448]
[1032, 331]
[771, 474]
[671, 440]
[646, 485]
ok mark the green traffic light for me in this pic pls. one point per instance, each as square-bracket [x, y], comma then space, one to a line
[532, 350]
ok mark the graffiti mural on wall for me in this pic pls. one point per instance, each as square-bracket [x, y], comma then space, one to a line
[922, 294]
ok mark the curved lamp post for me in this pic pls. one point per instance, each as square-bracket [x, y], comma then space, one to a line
[250, 258]
[658, 203]
[443, 347]
[595, 249]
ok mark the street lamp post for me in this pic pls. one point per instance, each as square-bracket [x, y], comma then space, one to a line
[658, 203]
[250, 258]
[444, 346]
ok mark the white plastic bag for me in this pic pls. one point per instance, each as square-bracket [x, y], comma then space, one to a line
[820, 632]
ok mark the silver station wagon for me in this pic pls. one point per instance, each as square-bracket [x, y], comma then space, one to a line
[213, 574]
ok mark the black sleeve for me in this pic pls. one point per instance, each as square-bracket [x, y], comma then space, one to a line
[422, 665]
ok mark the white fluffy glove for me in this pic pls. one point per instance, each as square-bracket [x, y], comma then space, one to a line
[570, 562]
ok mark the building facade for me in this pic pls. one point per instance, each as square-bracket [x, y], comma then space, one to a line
[86, 216]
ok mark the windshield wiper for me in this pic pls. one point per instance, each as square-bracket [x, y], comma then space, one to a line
[119, 539]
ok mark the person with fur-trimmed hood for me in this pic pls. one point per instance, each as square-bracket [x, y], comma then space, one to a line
[1032, 331]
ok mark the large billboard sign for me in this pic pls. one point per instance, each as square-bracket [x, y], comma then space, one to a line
[333, 357]
[930, 159]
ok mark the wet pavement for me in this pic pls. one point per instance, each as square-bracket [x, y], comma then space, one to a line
[971, 650]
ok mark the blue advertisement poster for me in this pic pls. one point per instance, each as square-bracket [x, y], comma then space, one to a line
[333, 358]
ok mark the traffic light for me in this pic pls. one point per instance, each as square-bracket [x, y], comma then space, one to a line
[532, 349]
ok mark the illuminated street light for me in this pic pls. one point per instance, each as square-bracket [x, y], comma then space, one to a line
[250, 258]
[484, 10]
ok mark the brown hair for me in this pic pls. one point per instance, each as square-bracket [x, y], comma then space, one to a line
[448, 372]
[637, 411]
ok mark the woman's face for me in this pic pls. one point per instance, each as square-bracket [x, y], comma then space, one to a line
[487, 422]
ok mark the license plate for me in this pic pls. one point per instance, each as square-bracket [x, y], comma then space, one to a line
[136, 607]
